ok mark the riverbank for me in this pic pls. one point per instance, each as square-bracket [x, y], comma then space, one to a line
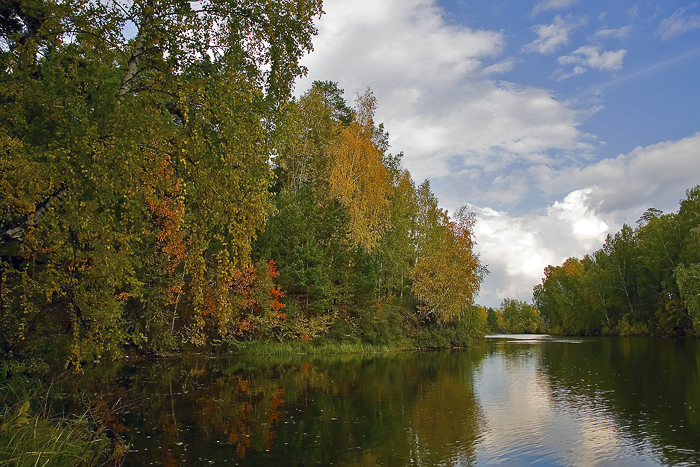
[472, 406]
[32, 433]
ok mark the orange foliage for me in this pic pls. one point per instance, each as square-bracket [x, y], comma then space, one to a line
[165, 200]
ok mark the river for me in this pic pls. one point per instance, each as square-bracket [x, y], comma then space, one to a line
[513, 400]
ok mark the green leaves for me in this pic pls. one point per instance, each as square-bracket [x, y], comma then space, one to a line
[640, 282]
[135, 170]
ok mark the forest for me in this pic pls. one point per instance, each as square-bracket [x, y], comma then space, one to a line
[643, 281]
[163, 190]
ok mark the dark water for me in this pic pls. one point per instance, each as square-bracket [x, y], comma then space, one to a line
[510, 401]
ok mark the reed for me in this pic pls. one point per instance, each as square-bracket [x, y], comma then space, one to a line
[31, 436]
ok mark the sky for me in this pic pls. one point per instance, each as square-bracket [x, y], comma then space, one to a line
[555, 121]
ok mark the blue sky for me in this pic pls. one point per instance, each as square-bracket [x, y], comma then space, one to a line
[556, 121]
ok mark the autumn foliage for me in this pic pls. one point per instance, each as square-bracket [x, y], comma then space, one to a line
[164, 190]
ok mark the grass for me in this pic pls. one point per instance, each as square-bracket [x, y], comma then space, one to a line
[260, 347]
[29, 439]
[34, 438]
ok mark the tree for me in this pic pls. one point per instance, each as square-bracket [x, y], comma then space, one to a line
[446, 279]
[659, 247]
[357, 176]
[564, 301]
[519, 317]
[398, 247]
[687, 274]
[618, 264]
[305, 135]
[92, 256]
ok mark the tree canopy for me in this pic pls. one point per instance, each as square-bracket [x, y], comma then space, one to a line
[642, 281]
[160, 188]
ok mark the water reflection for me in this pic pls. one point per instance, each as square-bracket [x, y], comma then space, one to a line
[406, 409]
[512, 401]
[602, 401]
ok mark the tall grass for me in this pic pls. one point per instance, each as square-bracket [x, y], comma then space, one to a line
[28, 439]
[30, 436]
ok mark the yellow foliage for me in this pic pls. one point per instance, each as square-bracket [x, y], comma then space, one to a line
[358, 178]
[446, 280]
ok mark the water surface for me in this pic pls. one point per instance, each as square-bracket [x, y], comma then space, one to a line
[514, 400]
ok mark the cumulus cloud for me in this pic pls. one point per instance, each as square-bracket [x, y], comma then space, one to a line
[596, 200]
[552, 36]
[551, 4]
[589, 56]
[435, 90]
[630, 183]
[575, 211]
[677, 23]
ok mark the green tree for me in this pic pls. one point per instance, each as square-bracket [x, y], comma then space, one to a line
[398, 247]
[564, 301]
[618, 262]
[521, 317]
[137, 168]
[659, 247]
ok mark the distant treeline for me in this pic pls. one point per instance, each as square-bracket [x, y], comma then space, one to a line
[514, 317]
[644, 281]
[165, 190]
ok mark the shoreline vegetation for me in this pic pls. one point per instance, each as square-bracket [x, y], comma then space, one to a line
[162, 197]
[644, 281]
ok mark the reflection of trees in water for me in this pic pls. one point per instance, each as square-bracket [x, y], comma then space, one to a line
[651, 387]
[429, 414]
[312, 410]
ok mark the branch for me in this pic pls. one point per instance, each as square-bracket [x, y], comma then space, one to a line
[16, 230]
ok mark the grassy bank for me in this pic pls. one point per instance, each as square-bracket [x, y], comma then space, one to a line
[28, 438]
[266, 347]
[31, 435]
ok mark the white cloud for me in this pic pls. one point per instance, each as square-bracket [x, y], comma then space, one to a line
[504, 66]
[433, 86]
[590, 56]
[612, 33]
[552, 36]
[677, 23]
[575, 211]
[652, 176]
[551, 4]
